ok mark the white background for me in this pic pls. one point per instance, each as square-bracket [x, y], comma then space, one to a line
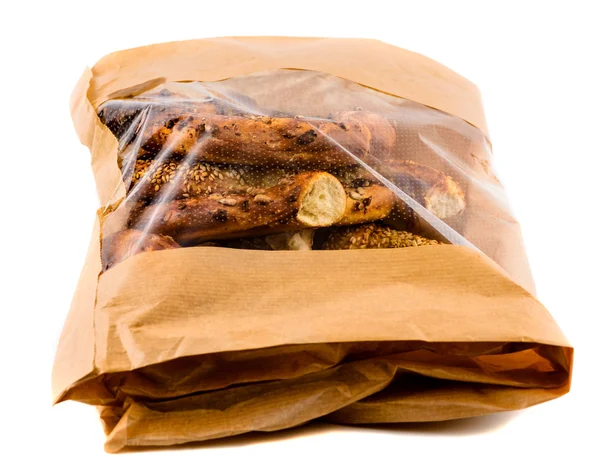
[536, 64]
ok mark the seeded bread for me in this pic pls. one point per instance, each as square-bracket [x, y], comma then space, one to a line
[373, 236]
[121, 245]
[368, 203]
[174, 179]
[309, 199]
[126, 118]
[256, 140]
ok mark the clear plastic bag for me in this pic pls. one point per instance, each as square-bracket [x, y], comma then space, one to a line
[297, 160]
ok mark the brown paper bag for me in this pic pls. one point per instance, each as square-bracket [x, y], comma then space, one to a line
[206, 342]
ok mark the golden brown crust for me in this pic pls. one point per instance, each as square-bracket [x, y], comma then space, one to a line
[287, 204]
[175, 179]
[366, 200]
[127, 119]
[373, 236]
[366, 204]
[433, 189]
[436, 191]
[381, 132]
[151, 110]
[126, 243]
[265, 140]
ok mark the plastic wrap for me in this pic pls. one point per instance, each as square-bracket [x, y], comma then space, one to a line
[289, 239]
[290, 159]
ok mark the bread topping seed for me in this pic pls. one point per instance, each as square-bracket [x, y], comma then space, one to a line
[262, 199]
[372, 236]
[355, 195]
[228, 201]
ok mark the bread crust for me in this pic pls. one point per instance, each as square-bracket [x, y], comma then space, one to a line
[126, 243]
[263, 140]
[194, 220]
[176, 179]
[373, 236]
[436, 191]
[201, 186]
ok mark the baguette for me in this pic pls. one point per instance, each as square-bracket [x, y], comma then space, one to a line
[373, 236]
[309, 199]
[129, 118]
[366, 199]
[265, 140]
[126, 243]
[173, 180]
[151, 110]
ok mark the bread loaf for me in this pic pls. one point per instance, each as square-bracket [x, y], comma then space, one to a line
[176, 179]
[224, 174]
[366, 199]
[152, 110]
[309, 199]
[257, 140]
[173, 180]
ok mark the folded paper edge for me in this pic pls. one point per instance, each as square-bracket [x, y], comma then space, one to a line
[145, 264]
[387, 68]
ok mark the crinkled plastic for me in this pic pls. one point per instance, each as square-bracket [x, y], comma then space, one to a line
[289, 159]
[201, 326]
